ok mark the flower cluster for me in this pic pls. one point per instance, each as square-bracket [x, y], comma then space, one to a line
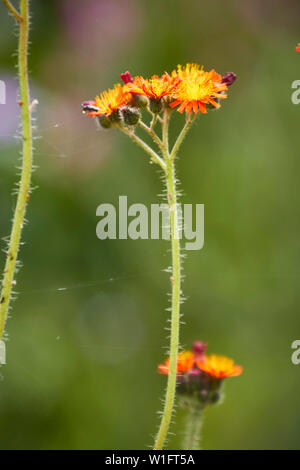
[199, 375]
[189, 88]
[298, 47]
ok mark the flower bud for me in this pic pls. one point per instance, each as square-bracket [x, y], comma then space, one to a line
[214, 398]
[139, 101]
[131, 115]
[155, 105]
[115, 116]
[229, 78]
[199, 348]
[104, 122]
[126, 77]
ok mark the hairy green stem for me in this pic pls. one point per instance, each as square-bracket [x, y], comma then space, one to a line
[151, 132]
[24, 185]
[167, 164]
[153, 121]
[165, 132]
[192, 426]
[176, 282]
[13, 11]
[158, 118]
[180, 138]
[154, 156]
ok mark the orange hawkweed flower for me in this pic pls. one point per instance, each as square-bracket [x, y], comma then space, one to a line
[197, 89]
[108, 101]
[219, 367]
[200, 376]
[298, 47]
[155, 87]
[185, 362]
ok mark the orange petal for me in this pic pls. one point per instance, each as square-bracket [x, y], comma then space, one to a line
[202, 107]
[175, 103]
[220, 95]
[163, 369]
[237, 371]
[189, 107]
[181, 108]
[195, 107]
[215, 104]
[94, 113]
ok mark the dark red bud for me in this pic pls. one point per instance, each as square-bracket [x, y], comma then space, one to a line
[229, 78]
[126, 77]
[199, 349]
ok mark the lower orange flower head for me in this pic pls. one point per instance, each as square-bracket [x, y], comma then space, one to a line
[185, 362]
[201, 376]
[219, 367]
[155, 87]
[108, 101]
[197, 89]
[298, 47]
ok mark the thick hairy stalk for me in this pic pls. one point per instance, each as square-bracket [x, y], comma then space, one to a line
[192, 426]
[166, 162]
[176, 281]
[24, 185]
[175, 315]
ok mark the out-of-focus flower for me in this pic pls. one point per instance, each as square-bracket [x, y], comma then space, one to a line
[186, 360]
[199, 376]
[298, 47]
[197, 89]
[185, 363]
[219, 367]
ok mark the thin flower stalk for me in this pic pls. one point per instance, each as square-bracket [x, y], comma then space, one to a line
[141, 143]
[188, 122]
[150, 131]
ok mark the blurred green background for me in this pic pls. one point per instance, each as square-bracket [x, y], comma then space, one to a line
[81, 361]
